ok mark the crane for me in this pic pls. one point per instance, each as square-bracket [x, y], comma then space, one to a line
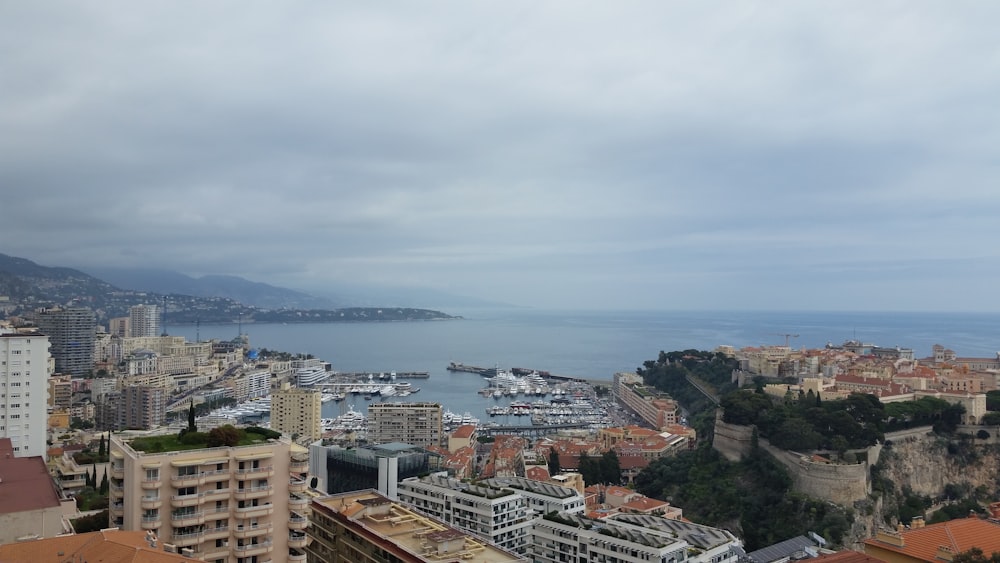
[787, 336]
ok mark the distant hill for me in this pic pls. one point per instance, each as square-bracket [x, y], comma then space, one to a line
[254, 294]
[28, 286]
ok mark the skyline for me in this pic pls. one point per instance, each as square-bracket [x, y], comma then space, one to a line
[768, 156]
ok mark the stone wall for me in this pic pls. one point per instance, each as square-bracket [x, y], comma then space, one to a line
[839, 483]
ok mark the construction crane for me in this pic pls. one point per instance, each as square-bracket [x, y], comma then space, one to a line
[787, 337]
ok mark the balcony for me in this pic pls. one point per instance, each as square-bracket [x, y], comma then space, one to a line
[251, 549]
[299, 465]
[248, 531]
[255, 472]
[117, 471]
[213, 512]
[297, 522]
[180, 501]
[187, 519]
[252, 492]
[297, 540]
[216, 475]
[212, 553]
[150, 522]
[186, 540]
[216, 494]
[190, 480]
[216, 533]
[295, 556]
[116, 487]
[297, 503]
[297, 485]
[149, 503]
[254, 511]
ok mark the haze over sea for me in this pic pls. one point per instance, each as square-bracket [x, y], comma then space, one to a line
[589, 344]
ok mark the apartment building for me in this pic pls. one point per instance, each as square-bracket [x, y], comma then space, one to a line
[652, 405]
[24, 361]
[416, 424]
[71, 335]
[367, 526]
[297, 412]
[144, 320]
[497, 514]
[142, 407]
[542, 497]
[240, 504]
[629, 538]
[61, 391]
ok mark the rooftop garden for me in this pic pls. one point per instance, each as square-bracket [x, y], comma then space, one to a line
[226, 435]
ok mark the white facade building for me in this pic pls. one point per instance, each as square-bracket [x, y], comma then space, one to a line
[542, 498]
[144, 320]
[499, 515]
[629, 538]
[24, 361]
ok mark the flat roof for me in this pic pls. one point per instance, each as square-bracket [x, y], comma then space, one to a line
[25, 483]
[407, 530]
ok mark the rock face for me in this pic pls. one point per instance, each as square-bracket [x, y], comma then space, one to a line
[926, 463]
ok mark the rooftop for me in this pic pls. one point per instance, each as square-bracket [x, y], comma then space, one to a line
[537, 487]
[395, 527]
[106, 546]
[25, 483]
[171, 443]
[957, 536]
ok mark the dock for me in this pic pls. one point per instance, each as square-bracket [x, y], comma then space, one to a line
[520, 372]
[386, 375]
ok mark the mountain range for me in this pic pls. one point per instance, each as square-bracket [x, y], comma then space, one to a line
[25, 286]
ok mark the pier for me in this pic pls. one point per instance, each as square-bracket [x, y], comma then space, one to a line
[533, 431]
[385, 375]
[520, 372]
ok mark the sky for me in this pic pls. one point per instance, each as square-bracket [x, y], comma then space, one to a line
[773, 155]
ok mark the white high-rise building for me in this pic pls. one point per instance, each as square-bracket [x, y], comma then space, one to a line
[144, 320]
[24, 360]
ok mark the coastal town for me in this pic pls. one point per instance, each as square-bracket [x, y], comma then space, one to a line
[220, 451]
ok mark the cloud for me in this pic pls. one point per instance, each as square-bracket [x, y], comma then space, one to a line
[554, 155]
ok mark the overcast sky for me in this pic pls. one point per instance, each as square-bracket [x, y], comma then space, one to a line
[661, 155]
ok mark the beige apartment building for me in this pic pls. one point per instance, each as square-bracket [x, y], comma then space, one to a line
[297, 412]
[416, 424]
[240, 504]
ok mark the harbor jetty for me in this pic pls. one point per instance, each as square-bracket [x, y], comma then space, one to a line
[520, 372]
[386, 375]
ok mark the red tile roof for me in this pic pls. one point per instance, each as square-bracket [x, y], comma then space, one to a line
[957, 535]
[106, 546]
[464, 431]
[846, 556]
[25, 483]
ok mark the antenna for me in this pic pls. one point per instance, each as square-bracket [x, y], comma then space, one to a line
[239, 326]
[197, 330]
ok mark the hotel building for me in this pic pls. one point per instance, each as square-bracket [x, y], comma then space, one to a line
[24, 361]
[367, 526]
[298, 413]
[144, 320]
[416, 424]
[241, 504]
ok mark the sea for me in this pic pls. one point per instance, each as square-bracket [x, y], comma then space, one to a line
[591, 345]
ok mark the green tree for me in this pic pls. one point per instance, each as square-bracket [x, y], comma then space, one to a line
[975, 555]
[611, 471]
[554, 467]
[102, 449]
[226, 435]
[103, 489]
[192, 427]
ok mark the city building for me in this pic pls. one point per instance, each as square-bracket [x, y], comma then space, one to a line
[542, 497]
[142, 407]
[497, 514]
[120, 327]
[31, 506]
[24, 366]
[652, 405]
[240, 504]
[71, 335]
[934, 543]
[144, 320]
[61, 391]
[417, 424]
[297, 413]
[340, 470]
[367, 526]
[629, 538]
